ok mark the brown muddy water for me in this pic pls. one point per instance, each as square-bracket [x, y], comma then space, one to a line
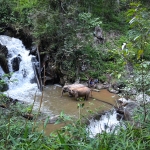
[53, 104]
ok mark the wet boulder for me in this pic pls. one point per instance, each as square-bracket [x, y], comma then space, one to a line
[33, 51]
[98, 35]
[16, 62]
[118, 86]
[3, 58]
[3, 50]
[129, 110]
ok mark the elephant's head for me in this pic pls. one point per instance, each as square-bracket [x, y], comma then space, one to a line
[64, 89]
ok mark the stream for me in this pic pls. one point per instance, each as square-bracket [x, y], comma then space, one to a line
[53, 104]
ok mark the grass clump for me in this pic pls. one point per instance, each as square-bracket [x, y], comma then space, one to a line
[18, 133]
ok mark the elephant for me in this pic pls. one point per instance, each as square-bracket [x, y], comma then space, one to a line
[80, 92]
[67, 87]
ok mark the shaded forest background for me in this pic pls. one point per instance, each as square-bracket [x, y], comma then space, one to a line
[64, 32]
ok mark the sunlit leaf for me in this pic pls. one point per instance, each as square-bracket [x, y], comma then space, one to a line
[132, 20]
[46, 121]
[140, 52]
[119, 75]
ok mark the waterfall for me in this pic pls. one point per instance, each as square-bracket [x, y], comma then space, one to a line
[107, 123]
[1, 71]
[21, 87]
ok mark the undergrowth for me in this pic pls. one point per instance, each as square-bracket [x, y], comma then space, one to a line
[18, 133]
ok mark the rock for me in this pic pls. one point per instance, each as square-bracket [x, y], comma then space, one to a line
[53, 119]
[3, 50]
[106, 86]
[118, 86]
[3, 105]
[96, 90]
[15, 63]
[28, 116]
[99, 86]
[110, 89]
[129, 110]
[58, 85]
[139, 98]
[62, 81]
[33, 50]
[122, 100]
[98, 35]
[3, 58]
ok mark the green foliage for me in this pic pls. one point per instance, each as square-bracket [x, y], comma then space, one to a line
[17, 133]
[109, 13]
[63, 28]
[139, 33]
[102, 79]
[6, 14]
[77, 48]
[86, 18]
[3, 99]
[24, 4]
[139, 36]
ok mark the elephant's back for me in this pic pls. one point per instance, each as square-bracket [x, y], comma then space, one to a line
[84, 90]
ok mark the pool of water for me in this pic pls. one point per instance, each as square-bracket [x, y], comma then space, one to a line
[53, 104]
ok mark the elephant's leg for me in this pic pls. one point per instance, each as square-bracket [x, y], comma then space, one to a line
[87, 96]
[76, 95]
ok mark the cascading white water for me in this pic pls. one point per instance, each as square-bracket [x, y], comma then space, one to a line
[1, 71]
[21, 89]
[107, 123]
